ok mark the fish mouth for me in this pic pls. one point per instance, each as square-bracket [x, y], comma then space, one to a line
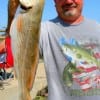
[25, 8]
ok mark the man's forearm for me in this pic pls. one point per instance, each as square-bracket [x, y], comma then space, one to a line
[12, 6]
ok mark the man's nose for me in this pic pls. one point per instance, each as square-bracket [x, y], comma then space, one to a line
[69, 1]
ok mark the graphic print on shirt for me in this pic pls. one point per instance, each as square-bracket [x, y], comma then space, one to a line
[83, 65]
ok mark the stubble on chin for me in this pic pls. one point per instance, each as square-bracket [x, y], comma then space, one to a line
[70, 13]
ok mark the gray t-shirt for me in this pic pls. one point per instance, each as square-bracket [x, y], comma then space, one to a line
[71, 56]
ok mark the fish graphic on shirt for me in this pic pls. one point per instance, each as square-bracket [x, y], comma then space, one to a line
[76, 55]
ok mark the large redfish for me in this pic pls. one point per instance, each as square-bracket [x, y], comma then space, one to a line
[25, 41]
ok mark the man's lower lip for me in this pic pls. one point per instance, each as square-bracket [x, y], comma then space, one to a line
[68, 9]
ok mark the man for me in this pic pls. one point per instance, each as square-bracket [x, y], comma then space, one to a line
[70, 46]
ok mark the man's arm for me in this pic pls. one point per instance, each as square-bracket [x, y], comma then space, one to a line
[12, 6]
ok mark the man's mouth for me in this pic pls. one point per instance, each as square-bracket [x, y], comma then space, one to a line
[69, 7]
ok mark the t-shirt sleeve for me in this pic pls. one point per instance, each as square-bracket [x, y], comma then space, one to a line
[43, 32]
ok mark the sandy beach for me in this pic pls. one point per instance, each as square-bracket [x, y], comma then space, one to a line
[9, 91]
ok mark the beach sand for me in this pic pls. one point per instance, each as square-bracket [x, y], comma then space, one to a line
[9, 91]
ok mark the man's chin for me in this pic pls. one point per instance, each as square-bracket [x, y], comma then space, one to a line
[70, 13]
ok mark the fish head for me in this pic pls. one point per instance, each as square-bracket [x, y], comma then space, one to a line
[30, 3]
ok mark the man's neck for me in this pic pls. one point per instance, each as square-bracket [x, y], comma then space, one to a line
[78, 20]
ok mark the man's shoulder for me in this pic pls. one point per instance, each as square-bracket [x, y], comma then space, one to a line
[51, 21]
[49, 24]
[91, 21]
